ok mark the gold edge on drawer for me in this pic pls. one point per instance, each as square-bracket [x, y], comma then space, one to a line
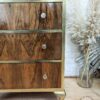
[27, 61]
[31, 0]
[29, 31]
[33, 90]
[63, 42]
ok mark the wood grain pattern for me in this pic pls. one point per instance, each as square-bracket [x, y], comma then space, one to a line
[28, 76]
[29, 46]
[23, 16]
[28, 16]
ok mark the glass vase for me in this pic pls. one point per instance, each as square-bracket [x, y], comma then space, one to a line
[85, 78]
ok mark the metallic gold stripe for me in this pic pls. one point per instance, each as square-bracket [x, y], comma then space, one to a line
[30, 1]
[27, 61]
[32, 90]
[63, 42]
[60, 93]
[28, 31]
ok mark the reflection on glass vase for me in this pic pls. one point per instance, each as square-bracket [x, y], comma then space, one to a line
[85, 78]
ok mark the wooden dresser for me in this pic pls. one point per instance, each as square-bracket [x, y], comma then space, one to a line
[32, 46]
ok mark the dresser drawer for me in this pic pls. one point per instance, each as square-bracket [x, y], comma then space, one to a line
[31, 46]
[22, 16]
[29, 76]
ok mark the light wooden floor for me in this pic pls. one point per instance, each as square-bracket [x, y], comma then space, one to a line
[73, 92]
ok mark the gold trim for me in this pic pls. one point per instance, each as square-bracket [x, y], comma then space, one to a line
[29, 31]
[63, 41]
[32, 90]
[4, 1]
[60, 93]
[27, 61]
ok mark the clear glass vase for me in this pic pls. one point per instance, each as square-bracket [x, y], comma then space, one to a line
[85, 78]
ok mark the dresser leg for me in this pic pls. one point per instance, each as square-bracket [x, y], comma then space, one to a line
[61, 98]
[60, 94]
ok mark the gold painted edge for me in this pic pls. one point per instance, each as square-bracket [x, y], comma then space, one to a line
[27, 61]
[60, 93]
[29, 31]
[4, 1]
[63, 42]
[31, 90]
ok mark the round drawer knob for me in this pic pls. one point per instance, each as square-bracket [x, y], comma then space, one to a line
[43, 15]
[45, 77]
[44, 46]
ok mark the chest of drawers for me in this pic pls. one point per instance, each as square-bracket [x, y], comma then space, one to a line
[32, 46]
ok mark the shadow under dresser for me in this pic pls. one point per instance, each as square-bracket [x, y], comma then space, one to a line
[32, 46]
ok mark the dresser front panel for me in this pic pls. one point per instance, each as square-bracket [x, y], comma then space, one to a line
[29, 76]
[22, 16]
[31, 46]
[31, 36]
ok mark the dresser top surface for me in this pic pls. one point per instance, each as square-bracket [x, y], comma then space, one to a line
[30, 1]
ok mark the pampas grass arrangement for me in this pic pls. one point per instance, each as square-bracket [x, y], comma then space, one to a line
[87, 36]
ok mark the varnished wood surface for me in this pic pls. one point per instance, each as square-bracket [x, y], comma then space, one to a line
[28, 76]
[28, 16]
[30, 1]
[30, 46]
